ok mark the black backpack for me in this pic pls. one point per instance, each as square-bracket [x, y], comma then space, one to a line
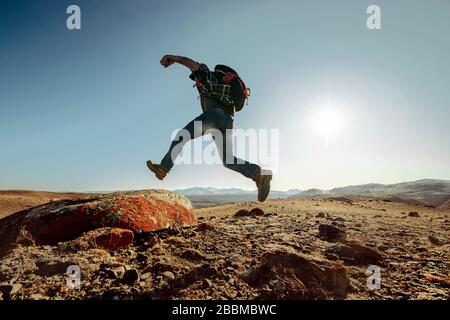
[239, 91]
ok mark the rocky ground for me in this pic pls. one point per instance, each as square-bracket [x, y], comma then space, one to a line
[290, 249]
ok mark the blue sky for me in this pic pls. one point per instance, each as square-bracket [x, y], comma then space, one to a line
[83, 110]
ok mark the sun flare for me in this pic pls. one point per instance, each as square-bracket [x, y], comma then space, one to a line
[327, 122]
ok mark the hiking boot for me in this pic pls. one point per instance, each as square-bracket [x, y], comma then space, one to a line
[262, 179]
[157, 169]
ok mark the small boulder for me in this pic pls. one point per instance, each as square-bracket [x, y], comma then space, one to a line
[130, 276]
[138, 211]
[256, 212]
[105, 238]
[8, 291]
[205, 226]
[435, 240]
[413, 214]
[354, 253]
[142, 257]
[193, 254]
[320, 215]
[242, 213]
[331, 233]
[116, 272]
[168, 275]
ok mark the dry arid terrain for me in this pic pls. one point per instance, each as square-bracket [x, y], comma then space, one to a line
[290, 249]
[15, 200]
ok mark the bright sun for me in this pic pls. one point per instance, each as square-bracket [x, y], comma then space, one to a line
[327, 122]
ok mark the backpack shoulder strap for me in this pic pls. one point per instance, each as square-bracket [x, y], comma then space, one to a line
[224, 69]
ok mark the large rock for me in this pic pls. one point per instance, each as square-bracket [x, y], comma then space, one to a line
[284, 274]
[354, 253]
[138, 211]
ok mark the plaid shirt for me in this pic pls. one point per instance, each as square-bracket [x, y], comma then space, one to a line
[210, 87]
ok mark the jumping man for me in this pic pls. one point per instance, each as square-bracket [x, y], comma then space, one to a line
[222, 92]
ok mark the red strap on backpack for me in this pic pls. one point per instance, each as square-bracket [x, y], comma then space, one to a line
[198, 83]
[228, 77]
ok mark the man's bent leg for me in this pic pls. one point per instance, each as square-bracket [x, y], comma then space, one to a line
[194, 129]
[246, 168]
[183, 136]
[261, 177]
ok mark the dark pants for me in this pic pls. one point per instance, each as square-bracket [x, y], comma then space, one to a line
[218, 119]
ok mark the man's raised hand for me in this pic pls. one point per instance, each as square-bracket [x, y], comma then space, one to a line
[167, 60]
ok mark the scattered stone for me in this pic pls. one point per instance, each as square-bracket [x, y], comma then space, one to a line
[331, 233]
[151, 240]
[161, 266]
[10, 290]
[175, 240]
[354, 253]
[168, 275]
[38, 296]
[145, 276]
[320, 215]
[207, 283]
[116, 272]
[371, 244]
[130, 276]
[142, 257]
[193, 254]
[435, 240]
[242, 213]
[442, 280]
[105, 238]
[205, 226]
[413, 214]
[256, 212]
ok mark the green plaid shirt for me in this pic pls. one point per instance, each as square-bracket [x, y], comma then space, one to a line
[211, 88]
[220, 92]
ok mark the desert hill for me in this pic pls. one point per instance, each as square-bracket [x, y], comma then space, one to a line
[16, 200]
[426, 191]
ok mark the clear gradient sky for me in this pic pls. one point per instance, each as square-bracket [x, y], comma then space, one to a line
[83, 110]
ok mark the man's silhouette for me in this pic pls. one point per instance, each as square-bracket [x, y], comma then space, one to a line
[218, 104]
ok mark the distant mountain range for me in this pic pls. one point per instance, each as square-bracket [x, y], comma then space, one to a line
[208, 191]
[427, 192]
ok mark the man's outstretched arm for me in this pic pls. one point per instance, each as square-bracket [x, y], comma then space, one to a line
[168, 60]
